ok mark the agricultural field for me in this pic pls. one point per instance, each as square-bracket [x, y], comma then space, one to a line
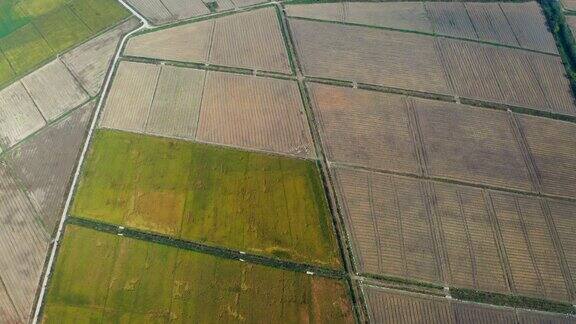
[254, 113]
[194, 191]
[46, 162]
[451, 19]
[391, 306]
[24, 243]
[104, 277]
[165, 11]
[34, 31]
[251, 40]
[394, 221]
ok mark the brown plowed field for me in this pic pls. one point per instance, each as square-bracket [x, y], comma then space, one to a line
[552, 144]
[255, 113]
[529, 25]
[89, 62]
[451, 18]
[365, 128]
[54, 89]
[490, 23]
[129, 100]
[46, 163]
[469, 144]
[177, 101]
[19, 116]
[369, 55]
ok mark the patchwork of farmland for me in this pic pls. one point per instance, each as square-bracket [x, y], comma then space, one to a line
[251, 40]
[390, 306]
[165, 11]
[256, 113]
[33, 32]
[514, 24]
[253, 202]
[104, 277]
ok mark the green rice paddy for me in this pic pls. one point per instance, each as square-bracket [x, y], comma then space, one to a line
[105, 278]
[254, 202]
[35, 31]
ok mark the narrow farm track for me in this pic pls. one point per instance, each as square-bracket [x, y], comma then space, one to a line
[207, 249]
[57, 238]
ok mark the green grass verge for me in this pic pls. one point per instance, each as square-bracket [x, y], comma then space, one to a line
[258, 203]
[35, 31]
[512, 301]
[106, 278]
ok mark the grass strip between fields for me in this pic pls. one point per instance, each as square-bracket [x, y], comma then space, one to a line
[206, 249]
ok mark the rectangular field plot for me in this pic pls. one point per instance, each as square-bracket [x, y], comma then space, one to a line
[389, 224]
[368, 55]
[397, 15]
[165, 11]
[251, 40]
[130, 98]
[254, 202]
[552, 145]
[467, 144]
[46, 162]
[62, 28]
[153, 10]
[528, 317]
[490, 23]
[451, 18]
[19, 116]
[365, 128]
[565, 224]
[528, 242]
[505, 75]
[54, 89]
[24, 245]
[108, 278]
[89, 62]
[254, 113]
[529, 25]
[25, 49]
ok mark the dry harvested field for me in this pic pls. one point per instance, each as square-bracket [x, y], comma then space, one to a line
[164, 11]
[490, 23]
[529, 25]
[552, 145]
[19, 116]
[54, 89]
[251, 40]
[528, 243]
[511, 76]
[398, 15]
[569, 4]
[365, 128]
[130, 97]
[176, 104]
[89, 62]
[255, 113]
[368, 55]
[451, 18]
[46, 162]
[565, 223]
[469, 144]
[393, 306]
[24, 244]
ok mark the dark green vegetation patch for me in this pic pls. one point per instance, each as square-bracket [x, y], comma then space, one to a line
[105, 278]
[259, 203]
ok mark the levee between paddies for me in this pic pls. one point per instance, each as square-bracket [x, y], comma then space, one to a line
[263, 204]
[105, 278]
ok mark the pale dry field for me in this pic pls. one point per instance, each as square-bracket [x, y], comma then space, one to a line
[90, 61]
[184, 9]
[250, 40]
[552, 145]
[46, 163]
[531, 317]
[154, 10]
[24, 244]
[254, 113]
[490, 23]
[451, 18]
[552, 77]
[187, 43]
[529, 25]
[130, 97]
[176, 105]
[563, 216]
[482, 314]
[365, 128]
[527, 240]
[19, 116]
[368, 55]
[389, 224]
[322, 11]
[469, 144]
[54, 89]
